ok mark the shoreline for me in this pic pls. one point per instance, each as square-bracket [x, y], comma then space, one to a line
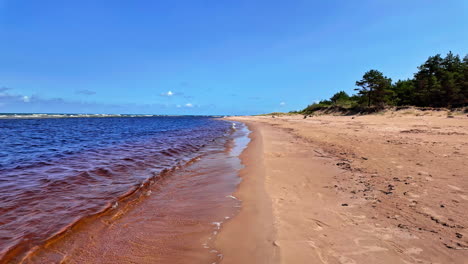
[329, 189]
[249, 236]
[367, 189]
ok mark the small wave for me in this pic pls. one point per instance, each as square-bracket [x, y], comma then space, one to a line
[232, 197]
[103, 172]
[217, 225]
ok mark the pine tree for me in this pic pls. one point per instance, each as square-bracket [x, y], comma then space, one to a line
[403, 92]
[339, 97]
[428, 88]
[464, 81]
[376, 87]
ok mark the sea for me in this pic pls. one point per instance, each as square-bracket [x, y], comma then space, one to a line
[116, 189]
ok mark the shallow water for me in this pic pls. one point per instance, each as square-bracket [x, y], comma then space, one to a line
[174, 220]
[54, 172]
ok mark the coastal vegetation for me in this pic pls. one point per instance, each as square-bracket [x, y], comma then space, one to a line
[439, 82]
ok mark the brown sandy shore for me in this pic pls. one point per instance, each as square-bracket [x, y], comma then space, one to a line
[338, 189]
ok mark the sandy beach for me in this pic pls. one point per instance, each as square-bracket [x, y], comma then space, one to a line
[234, 132]
[385, 188]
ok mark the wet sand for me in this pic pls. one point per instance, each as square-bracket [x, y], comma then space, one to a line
[388, 188]
[249, 237]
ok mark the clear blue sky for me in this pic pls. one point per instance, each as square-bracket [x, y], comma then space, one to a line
[211, 57]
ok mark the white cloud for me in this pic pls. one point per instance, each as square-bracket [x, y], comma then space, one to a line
[26, 99]
[179, 106]
[188, 105]
[282, 104]
[169, 93]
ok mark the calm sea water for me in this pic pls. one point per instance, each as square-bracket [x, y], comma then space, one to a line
[54, 172]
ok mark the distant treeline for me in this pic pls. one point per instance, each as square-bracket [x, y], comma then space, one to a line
[439, 82]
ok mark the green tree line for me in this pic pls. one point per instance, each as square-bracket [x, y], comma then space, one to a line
[439, 82]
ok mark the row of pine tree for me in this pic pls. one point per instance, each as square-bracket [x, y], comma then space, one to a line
[439, 82]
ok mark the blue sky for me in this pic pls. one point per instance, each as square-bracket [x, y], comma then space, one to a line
[211, 57]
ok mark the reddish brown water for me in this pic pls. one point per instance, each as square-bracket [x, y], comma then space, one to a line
[172, 220]
[55, 172]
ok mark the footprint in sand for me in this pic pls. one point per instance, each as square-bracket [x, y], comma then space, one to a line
[319, 224]
[360, 216]
[329, 252]
[366, 249]
[386, 236]
[346, 260]
[454, 187]
[414, 250]
[464, 197]
[413, 195]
